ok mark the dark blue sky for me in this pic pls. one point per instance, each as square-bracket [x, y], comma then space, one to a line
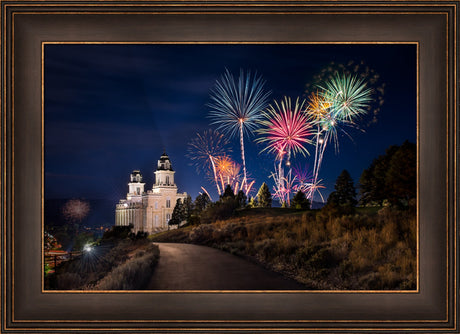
[110, 109]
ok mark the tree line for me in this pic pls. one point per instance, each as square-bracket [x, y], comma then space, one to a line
[202, 210]
[389, 180]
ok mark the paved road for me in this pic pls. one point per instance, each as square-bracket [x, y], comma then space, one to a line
[192, 267]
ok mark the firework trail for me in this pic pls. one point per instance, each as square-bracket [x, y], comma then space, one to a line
[317, 107]
[340, 101]
[236, 108]
[204, 149]
[206, 192]
[313, 188]
[305, 182]
[284, 185]
[286, 129]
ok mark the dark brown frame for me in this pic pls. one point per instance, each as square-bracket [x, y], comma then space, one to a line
[27, 25]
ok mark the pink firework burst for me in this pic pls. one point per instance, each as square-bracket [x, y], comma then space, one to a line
[286, 129]
[75, 210]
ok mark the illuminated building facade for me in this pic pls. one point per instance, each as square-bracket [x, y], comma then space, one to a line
[149, 211]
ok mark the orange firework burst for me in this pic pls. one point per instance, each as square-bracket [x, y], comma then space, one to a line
[318, 106]
[228, 172]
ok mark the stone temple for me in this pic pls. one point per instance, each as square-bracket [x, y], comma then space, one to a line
[149, 211]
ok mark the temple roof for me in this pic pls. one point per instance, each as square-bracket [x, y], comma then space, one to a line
[135, 176]
[164, 163]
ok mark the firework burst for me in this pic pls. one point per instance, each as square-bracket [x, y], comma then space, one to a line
[348, 97]
[228, 172]
[303, 177]
[341, 100]
[360, 70]
[286, 129]
[236, 107]
[318, 106]
[314, 187]
[204, 149]
[75, 210]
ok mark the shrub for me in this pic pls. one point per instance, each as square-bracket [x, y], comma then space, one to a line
[368, 249]
[201, 234]
[117, 232]
[266, 248]
[223, 209]
[134, 274]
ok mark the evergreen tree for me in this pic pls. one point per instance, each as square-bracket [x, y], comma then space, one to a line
[264, 197]
[253, 203]
[401, 177]
[373, 185]
[300, 201]
[391, 177]
[187, 208]
[241, 199]
[333, 198]
[345, 192]
[178, 213]
[202, 201]
[368, 187]
[228, 193]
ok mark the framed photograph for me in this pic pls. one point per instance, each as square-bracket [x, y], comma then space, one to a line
[219, 167]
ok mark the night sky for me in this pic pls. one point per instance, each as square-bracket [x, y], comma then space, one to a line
[110, 109]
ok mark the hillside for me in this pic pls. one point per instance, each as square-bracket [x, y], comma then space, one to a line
[371, 249]
[115, 263]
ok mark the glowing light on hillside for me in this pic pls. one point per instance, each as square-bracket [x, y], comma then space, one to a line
[87, 248]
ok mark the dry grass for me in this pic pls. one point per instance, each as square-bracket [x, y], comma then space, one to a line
[134, 274]
[87, 270]
[372, 250]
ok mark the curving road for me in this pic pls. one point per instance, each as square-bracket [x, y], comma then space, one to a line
[192, 267]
